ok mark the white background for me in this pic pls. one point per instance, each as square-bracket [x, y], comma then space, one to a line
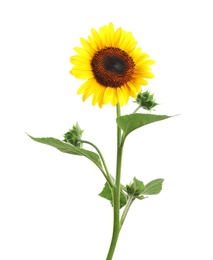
[49, 208]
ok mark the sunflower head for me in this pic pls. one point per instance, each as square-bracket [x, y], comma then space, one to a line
[113, 68]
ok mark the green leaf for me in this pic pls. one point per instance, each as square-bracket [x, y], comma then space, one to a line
[129, 123]
[122, 200]
[107, 194]
[68, 148]
[153, 187]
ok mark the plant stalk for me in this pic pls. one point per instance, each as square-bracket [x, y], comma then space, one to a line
[137, 109]
[116, 193]
[126, 210]
[107, 174]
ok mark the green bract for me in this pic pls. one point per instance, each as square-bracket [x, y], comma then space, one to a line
[146, 100]
[135, 188]
[73, 136]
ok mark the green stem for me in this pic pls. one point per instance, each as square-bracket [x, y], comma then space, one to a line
[127, 207]
[136, 109]
[107, 174]
[116, 192]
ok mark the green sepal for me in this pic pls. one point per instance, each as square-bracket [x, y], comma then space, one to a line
[68, 148]
[135, 188]
[107, 194]
[153, 187]
[129, 123]
[140, 197]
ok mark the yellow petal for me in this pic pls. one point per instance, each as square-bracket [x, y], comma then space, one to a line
[132, 89]
[127, 41]
[79, 59]
[89, 91]
[82, 66]
[105, 36]
[138, 56]
[87, 46]
[82, 52]
[110, 95]
[83, 88]
[117, 37]
[100, 101]
[122, 39]
[82, 74]
[126, 93]
[96, 39]
[101, 96]
[121, 96]
[97, 94]
[111, 34]
[148, 75]
[146, 62]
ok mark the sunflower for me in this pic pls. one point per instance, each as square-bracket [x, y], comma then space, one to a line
[113, 67]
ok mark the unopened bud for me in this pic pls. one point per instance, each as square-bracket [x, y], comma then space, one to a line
[73, 136]
[146, 100]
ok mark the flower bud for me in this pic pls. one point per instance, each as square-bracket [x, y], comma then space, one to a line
[135, 188]
[146, 100]
[73, 136]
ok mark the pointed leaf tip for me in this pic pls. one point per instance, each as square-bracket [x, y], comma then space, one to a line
[68, 148]
[129, 123]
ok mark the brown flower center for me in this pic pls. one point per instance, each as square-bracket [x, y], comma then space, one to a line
[112, 67]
